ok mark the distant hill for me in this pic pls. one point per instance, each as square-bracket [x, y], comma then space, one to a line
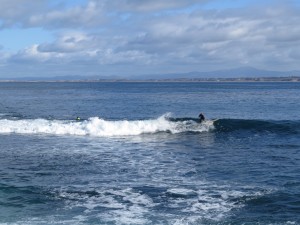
[242, 72]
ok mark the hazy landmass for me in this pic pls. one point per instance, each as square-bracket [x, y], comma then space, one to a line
[245, 74]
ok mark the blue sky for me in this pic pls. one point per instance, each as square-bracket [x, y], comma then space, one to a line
[126, 38]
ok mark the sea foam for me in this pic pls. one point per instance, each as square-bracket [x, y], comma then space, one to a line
[96, 126]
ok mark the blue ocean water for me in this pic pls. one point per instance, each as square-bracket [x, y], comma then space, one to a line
[139, 155]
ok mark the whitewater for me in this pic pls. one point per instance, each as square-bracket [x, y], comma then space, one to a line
[96, 126]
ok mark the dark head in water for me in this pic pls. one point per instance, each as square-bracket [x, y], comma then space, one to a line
[201, 117]
[77, 118]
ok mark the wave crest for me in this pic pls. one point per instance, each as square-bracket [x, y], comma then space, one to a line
[96, 126]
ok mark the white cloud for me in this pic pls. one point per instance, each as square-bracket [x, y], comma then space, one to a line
[89, 15]
[100, 34]
[150, 5]
[33, 55]
[69, 42]
[81, 48]
[15, 12]
[32, 13]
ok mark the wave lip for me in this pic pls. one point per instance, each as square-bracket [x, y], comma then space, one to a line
[102, 128]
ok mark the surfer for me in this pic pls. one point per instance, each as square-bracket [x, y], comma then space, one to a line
[201, 117]
[77, 118]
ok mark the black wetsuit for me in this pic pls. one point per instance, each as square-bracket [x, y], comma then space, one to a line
[201, 117]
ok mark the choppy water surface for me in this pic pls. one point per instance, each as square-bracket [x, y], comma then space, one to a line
[140, 156]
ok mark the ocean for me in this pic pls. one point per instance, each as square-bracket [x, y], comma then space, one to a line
[139, 155]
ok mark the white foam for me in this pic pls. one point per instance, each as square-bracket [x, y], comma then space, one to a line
[124, 206]
[182, 192]
[128, 206]
[99, 127]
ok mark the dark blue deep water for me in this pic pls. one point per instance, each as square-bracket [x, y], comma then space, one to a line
[139, 155]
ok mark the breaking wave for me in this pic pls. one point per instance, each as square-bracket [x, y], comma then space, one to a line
[96, 126]
[100, 127]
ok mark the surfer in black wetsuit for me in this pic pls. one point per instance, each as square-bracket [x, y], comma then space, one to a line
[201, 117]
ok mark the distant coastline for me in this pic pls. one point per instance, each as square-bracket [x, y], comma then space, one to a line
[241, 74]
[246, 79]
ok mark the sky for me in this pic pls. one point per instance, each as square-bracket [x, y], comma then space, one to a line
[127, 38]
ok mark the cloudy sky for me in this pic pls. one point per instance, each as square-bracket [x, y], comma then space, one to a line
[142, 37]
